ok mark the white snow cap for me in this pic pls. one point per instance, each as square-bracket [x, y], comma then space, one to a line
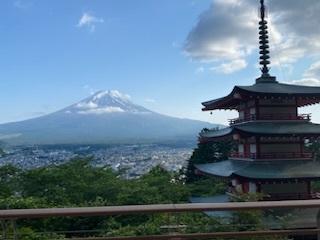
[111, 93]
[104, 102]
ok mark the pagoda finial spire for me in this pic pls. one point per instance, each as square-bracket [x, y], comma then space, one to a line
[264, 46]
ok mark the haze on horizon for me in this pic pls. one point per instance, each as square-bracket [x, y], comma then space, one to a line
[168, 55]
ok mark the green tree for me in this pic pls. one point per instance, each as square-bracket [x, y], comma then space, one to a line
[207, 153]
[9, 180]
[79, 183]
[206, 186]
[76, 182]
[157, 186]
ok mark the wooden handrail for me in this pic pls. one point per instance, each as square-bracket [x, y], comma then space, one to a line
[212, 235]
[15, 214]
[278, 116]
[273, 155]
[157, 208]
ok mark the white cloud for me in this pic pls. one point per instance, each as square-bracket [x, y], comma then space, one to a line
[230, 67]
[307, 82]
[102, 110]
[314, 70]
[311, 77]
[228, 30]
[9, 136]
[224, 31]
[88, 20]
[287, 52]
[86, 105]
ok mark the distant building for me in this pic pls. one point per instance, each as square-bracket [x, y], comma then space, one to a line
[271, 136]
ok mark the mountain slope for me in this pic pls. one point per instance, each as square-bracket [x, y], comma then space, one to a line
[105, 117]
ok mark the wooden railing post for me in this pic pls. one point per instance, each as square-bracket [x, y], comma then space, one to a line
[5, 225]
[14, 229]
[318, 224]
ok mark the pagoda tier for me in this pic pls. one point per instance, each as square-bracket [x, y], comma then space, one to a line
[268, 93]
[263, 170]
[263, 128]
[267, 140]
[276, 180]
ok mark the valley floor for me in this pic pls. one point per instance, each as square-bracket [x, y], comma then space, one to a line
[133, 160]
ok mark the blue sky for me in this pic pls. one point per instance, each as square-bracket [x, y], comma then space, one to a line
[162, 53]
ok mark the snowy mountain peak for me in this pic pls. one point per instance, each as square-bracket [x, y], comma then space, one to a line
[104, 102]
[112, 94]
[103, 118]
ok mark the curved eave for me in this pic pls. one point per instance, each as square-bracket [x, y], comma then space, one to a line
[281, 170]
[227, 102]
[212, 135]
[303, 99]
[307, 95]
[263, 128]
[262, 170]
[223, 169]
[279, 128]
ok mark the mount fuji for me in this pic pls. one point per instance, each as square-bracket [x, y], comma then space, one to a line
[105, 117]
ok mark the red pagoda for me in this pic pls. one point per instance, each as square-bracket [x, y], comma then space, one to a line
[270, 134]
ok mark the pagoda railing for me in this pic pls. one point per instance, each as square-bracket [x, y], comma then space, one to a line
[285, 116]
[250, 117]
[292, 196]
[273, 155]
[266, 117]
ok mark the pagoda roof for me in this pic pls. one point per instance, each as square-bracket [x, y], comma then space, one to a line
[265, 128]
[263, 170]
[281, 88]
[224, 168]
[272, 88]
